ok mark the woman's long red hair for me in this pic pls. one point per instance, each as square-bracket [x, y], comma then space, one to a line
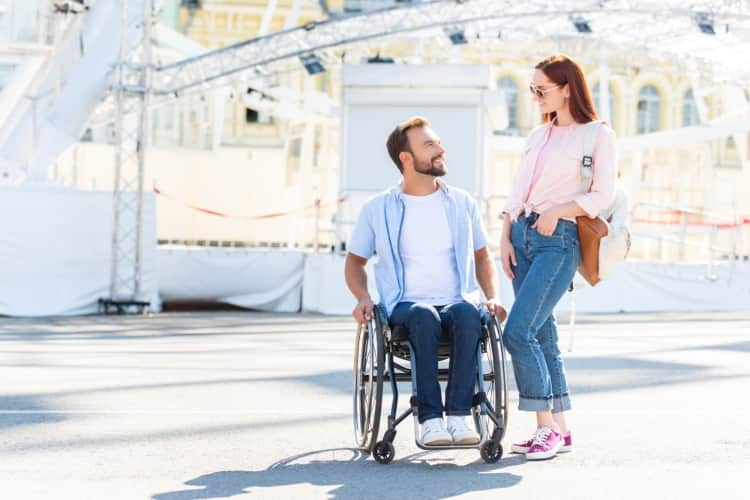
[563, 70]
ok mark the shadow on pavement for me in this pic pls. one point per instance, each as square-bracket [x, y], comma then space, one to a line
[351, 475]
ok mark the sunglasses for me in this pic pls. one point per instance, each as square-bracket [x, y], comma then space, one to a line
[539, 92]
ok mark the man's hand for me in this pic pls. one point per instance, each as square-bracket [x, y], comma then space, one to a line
[547, 222]
[362, 313]
[507, 257]
[496, 310]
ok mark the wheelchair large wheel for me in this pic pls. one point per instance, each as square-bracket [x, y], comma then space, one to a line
[495, 376]
[369, 362]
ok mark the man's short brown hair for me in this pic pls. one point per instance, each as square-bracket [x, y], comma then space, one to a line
[398, 141]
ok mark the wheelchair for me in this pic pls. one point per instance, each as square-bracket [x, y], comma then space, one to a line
[382, 354]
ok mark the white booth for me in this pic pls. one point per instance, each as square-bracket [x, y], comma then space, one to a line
[454, 98]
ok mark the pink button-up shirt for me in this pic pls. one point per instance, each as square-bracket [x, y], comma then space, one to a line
[550, 171]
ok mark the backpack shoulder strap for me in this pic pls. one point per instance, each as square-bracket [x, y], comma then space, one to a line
[591, 133]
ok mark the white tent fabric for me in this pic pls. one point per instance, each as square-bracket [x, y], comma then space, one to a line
[254, 279]
[324, 290]
[56, 247]
[666, 287]
[84, 83]
[634, 287]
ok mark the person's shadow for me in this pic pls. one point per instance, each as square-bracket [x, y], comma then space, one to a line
[354, 476]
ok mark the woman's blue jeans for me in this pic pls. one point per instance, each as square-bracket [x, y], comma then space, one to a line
[461, 323]
[545, 269]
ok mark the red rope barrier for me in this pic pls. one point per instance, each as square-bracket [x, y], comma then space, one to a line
[723, 225]
[208, 211]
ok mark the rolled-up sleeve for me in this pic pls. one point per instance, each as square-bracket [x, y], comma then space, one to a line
[602, 193]
[479, 233]
[362, 242]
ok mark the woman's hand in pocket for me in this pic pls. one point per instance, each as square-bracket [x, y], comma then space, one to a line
[546, 223]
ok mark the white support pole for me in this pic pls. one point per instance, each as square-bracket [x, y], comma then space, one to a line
[572, 323]
[683, 235]
[698, 95]
[293, 17]
[265, 23]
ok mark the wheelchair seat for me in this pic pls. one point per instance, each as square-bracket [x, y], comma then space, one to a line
[399, 337]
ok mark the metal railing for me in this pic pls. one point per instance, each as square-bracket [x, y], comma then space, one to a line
[687, 234]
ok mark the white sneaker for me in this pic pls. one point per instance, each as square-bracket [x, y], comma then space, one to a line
[460, 431]
[434, 433]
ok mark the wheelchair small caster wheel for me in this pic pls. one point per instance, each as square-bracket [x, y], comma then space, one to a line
[491, 452]
[383, 452]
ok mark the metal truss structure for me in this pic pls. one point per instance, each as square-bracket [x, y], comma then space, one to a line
[706, 35]
[132, 94]
[666, 30]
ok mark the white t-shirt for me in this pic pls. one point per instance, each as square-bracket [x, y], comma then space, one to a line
[430, 271]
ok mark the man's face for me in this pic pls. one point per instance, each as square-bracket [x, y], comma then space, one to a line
[428, 155]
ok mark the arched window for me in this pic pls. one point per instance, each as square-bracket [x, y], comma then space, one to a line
[510, 89]
[690, 114]
[649, 110]
[598, 103]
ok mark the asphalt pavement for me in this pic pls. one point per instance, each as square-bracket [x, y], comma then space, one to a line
[256, 405]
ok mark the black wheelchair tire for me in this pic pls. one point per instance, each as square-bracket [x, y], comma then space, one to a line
[384, 452]
[491, 452]
[367, 405]
[498, 396]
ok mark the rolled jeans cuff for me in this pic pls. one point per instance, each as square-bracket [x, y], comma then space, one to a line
[534, 404]
[561, 403]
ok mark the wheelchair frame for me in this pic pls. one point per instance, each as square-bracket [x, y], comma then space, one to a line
[376, 349]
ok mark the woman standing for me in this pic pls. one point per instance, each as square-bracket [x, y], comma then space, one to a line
[540, 249]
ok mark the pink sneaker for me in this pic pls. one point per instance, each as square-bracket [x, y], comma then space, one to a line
[523, 447]
[546, 444]
[567, 445]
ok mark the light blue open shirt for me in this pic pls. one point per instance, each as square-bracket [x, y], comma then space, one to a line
[378, 231]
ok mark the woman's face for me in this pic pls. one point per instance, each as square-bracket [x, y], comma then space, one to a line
[548, 95]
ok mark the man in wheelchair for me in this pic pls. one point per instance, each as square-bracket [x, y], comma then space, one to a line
[432, 260]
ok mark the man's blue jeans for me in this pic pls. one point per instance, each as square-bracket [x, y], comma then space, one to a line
[461, 324]
[546, 266]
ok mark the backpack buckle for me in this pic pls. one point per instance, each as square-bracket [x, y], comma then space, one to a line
[587, 163]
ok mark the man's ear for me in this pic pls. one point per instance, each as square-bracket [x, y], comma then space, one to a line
[405, 158]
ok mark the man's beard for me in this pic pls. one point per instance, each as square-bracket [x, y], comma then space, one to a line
[429, 167]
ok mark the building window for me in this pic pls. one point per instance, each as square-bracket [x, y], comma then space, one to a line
[690, 114]
[510, 90]
[649, 110]
[598, 103]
